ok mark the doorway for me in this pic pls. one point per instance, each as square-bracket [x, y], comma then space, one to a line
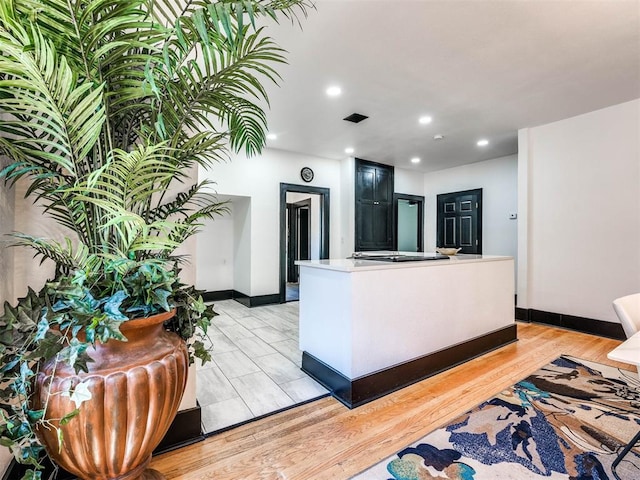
[459, 221]
[298, 235]
[409, 222]
[302, 228]
[304, 232]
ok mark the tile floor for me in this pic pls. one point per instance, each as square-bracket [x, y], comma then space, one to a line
[256, 365]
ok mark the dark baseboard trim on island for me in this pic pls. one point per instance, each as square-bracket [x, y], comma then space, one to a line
[185, 430]
[245, 300]
[359, 391]
[572, 322]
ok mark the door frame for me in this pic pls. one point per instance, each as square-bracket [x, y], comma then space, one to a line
[325, 208]
[419, 199]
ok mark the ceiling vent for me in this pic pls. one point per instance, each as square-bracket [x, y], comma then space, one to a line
[355, 118]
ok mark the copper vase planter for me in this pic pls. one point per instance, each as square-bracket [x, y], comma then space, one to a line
[136, 388]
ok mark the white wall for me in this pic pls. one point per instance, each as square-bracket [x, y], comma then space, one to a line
[583, 210]
[242, 245]
[409, 182]
[498, 179]
[259, 179]
[215, 251]
[347, 208]
[31, 219]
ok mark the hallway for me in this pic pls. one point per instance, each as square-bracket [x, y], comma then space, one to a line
[256, 365]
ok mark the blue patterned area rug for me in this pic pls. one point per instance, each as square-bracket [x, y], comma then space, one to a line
[568, 420]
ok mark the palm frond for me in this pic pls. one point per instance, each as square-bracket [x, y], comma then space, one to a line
[130, 179]
[196, 94]
[189, 204]
[228, 11]
[65, 256]
[202, 148]
[92, 33]
[64, 115]
[125, 232]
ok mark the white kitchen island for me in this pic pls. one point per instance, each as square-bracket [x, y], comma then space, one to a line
[370, 327]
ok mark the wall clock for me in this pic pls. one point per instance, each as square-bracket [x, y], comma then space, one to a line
[306, 174]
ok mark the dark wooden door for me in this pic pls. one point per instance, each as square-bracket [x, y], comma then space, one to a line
[374, 206]
[292, 241]
[459, 222]
[298, 237]
[304, 234]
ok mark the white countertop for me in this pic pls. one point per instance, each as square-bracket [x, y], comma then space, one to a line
[357, 265]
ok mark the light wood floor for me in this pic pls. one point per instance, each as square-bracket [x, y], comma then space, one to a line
[325, 440]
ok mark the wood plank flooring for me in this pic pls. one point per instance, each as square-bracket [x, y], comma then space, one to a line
[325, 440]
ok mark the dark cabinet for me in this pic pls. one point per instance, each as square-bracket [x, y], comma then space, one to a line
[373, 206]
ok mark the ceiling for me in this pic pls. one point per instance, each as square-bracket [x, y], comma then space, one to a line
[480, 69]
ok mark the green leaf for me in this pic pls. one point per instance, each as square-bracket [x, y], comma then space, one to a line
[69, 416]
[6, 442]
[32, 475]
[43, 328]
[201, 351]
[60, 437]
[72, 352]
[78, 394]
[35, 415]
[112, 305]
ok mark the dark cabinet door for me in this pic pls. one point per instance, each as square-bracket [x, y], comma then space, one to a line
[374, 206]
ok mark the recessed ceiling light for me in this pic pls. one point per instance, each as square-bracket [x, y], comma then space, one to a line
[272, 136]
[424, 120]
[415, 160]
[483, 143]
[349, 150]
[334, 91]
[438, 137]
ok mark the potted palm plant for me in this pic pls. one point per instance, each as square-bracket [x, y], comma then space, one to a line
[106, 106]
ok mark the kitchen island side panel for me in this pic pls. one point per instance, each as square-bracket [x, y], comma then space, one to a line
[402, 314]
[326, 312]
